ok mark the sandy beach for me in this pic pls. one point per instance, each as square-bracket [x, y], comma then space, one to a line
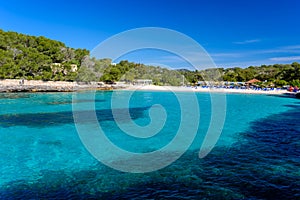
[200, 89]
[13, 85]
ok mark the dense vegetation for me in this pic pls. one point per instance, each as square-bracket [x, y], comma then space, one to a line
[30, 57]
[278, 74]
[128, 72]
[39, 58]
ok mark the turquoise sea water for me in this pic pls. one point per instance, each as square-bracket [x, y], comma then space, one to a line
[42, 156]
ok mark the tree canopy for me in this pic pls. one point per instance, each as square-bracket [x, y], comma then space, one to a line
[39, 58]
[31, 57]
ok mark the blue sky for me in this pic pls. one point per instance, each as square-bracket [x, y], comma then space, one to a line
[234, 33]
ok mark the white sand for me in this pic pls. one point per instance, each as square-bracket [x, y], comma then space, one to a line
[72, 85]
[200, 89]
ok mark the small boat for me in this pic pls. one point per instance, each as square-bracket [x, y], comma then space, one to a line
[298, 95]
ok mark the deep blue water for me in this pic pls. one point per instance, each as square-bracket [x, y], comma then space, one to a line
[42, 156]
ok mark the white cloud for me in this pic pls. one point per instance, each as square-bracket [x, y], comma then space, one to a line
[284, 49]
[244, 64]
[288, 58]
[248, 41]
[216, 55]
[292, 47]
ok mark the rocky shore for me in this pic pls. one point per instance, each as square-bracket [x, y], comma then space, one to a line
[14, 85]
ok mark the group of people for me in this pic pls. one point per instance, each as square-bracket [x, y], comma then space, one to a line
[293, 89]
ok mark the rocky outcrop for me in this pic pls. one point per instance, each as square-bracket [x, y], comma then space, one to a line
[13, 85]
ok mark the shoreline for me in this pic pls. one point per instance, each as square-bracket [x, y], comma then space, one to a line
[210, 90]
[16, 85]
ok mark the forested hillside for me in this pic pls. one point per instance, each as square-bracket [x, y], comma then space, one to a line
[278, 74]
[30, 57]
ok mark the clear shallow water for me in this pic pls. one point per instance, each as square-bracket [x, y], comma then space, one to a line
[257, 156]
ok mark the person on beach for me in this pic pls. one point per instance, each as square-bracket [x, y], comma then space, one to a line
[21, 82]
